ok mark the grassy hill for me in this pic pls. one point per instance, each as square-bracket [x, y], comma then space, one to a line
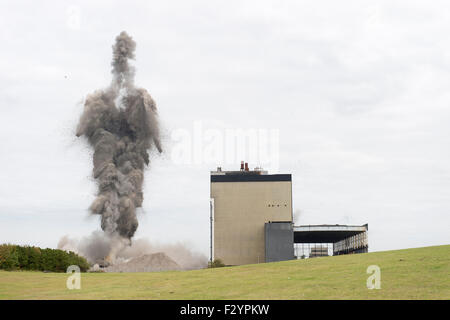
[420, 273]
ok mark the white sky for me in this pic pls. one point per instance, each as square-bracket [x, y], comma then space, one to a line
[359, 91]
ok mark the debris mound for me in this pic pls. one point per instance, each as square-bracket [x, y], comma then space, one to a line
[146, 263]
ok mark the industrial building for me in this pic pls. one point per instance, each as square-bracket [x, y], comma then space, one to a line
[241, 203]
[251, 221]
[312, 240]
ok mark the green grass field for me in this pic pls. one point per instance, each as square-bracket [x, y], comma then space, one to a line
[420, 273]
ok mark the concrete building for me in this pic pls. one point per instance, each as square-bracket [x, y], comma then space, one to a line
[340, 239]
[279, 238]
[251, 222]
[242, 203]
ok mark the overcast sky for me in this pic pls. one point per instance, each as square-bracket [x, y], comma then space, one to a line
[359, 92]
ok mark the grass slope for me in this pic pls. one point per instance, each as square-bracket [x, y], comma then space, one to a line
[420, 273]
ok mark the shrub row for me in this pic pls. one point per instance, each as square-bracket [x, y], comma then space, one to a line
[14, 257]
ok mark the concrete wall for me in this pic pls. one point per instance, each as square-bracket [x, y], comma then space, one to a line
[240, 211]
[279, 240]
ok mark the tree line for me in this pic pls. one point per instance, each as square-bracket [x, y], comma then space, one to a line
[14, 257]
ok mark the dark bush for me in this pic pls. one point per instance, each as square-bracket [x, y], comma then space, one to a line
[13, 257]
[217, 263]
[9, 258]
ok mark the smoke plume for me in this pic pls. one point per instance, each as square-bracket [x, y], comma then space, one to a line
[96, 246]
[121, 125]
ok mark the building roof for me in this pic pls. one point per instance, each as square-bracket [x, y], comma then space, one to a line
[326, 233]
[239, 177]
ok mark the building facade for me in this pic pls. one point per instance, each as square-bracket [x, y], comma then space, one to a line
[242, 202]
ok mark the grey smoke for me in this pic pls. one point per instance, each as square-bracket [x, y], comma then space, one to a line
[121, 125]
[96, 246]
